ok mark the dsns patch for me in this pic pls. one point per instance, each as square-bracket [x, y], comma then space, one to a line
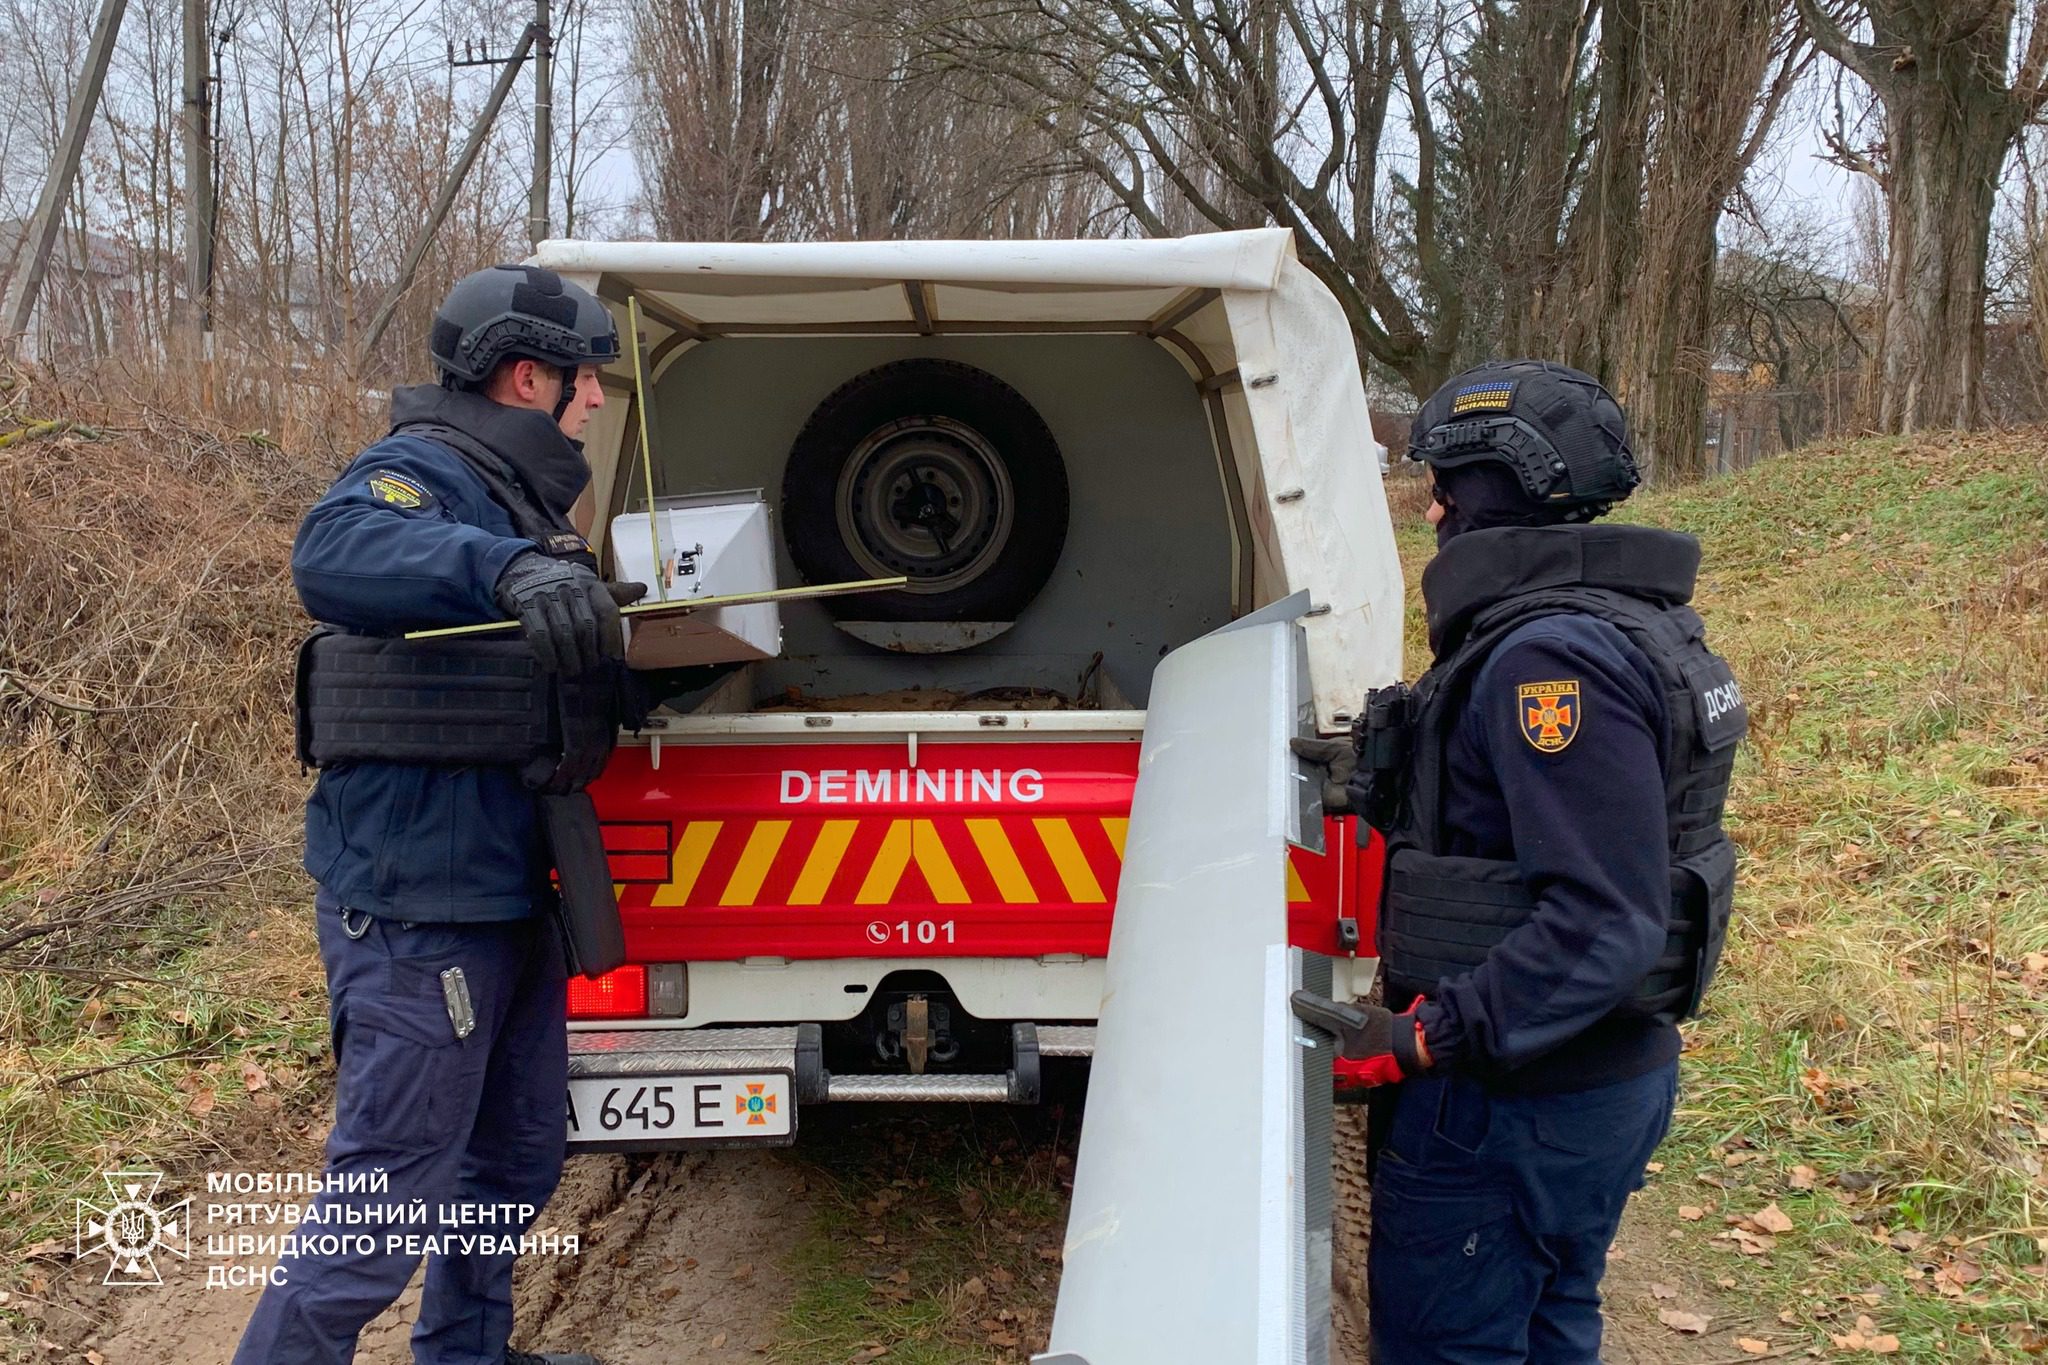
[394, 489]
[1493, 395]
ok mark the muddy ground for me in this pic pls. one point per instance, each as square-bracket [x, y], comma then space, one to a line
[694, 1258]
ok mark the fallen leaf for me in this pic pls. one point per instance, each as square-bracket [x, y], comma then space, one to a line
[999, 1276]
[1753, 1346]
[1691, 1213]
[1662, 1291]
[1771, 1218]
[1678, 1320]
[974, 1288]
[1906, 1241]
[253, 1076]
[717, 1340]
[1004, 1339]
[1803, 1177]
[900, 1276]
[1865, 1337]
[201, 1104]
[1654, 1167]
[876, 1239]
[971, 1203]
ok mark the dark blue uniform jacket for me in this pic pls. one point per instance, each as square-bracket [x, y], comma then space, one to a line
[1586, 824]
[408, 538]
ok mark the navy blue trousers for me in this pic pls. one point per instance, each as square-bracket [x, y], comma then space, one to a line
[1492, 1215]
[463, 1124]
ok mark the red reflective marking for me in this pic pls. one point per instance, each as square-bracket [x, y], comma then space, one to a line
[1038, 864]
[740, 784]
[789, 862]
[860, 857]
[1099, 851]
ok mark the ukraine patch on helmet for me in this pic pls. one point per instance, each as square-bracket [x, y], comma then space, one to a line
[1492, 395]
[390, 487]
[1549, 713]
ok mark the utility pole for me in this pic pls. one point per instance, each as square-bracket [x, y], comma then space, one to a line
[543, 124]
[451, 184]
[33, 255]
[199, 234]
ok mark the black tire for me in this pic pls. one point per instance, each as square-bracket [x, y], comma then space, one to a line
[931, 469]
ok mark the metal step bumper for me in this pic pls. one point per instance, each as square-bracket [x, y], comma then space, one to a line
[799, 1050]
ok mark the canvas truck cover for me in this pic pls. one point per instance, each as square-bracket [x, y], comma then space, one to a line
[1263, 338]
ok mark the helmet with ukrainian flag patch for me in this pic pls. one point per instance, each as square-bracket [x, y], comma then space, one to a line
[1557, 429]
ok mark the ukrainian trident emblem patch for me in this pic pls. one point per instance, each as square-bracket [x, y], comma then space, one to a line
[1550, 713]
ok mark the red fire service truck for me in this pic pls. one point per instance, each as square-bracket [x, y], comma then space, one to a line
[868, 846]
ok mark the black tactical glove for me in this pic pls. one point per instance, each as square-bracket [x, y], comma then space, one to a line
[571, 617]
[1389, 1043]
[1339, 760]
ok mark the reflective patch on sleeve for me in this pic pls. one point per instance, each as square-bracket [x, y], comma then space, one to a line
[1549, 713]
[395, 489]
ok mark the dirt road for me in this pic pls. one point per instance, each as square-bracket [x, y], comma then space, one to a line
[701, 1258]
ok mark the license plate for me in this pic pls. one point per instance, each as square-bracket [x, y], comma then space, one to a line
[610, 1109]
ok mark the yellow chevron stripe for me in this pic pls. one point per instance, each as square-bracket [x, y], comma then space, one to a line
[1071, 863]
[755, 860]
[890, 860]
[823, 862]
[937, 865]
[1116, 827]
[691, 850]
[994, 845]
[1297, 889]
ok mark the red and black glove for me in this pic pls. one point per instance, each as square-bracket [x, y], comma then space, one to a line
[1390, 1044]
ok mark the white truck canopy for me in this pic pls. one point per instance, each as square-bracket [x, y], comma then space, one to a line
[1263, 340]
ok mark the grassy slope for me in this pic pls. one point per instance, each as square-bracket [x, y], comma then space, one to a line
[1881, 1014]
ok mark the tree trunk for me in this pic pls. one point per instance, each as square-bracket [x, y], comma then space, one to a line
[1947, 146]
[1940, 71]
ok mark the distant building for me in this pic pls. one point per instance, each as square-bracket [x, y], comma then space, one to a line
[91, 294]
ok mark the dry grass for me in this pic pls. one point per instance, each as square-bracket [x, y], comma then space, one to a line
[148, 798]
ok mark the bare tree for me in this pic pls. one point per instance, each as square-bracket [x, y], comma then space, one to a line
[1707, 60]
[1237, 115]
[719, 115]
[1953, 103]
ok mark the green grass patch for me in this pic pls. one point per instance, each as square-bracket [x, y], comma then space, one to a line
[182, 1036]
[939, 1239]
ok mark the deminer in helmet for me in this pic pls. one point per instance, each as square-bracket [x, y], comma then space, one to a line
[429, 832]
[1557, 883]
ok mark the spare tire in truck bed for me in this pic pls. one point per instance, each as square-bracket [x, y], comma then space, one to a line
[933, 470]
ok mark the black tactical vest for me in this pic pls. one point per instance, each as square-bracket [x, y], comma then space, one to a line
[462, 701]
[1442, 914]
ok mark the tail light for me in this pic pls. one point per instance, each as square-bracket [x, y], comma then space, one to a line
[618, 994]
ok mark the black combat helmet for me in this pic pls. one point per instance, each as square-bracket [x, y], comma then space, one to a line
[521, 311]
[1556, 429]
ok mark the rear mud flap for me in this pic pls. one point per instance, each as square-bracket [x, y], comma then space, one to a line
[1200, 1225]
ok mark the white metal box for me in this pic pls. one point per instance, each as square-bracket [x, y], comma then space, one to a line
[711, 545]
